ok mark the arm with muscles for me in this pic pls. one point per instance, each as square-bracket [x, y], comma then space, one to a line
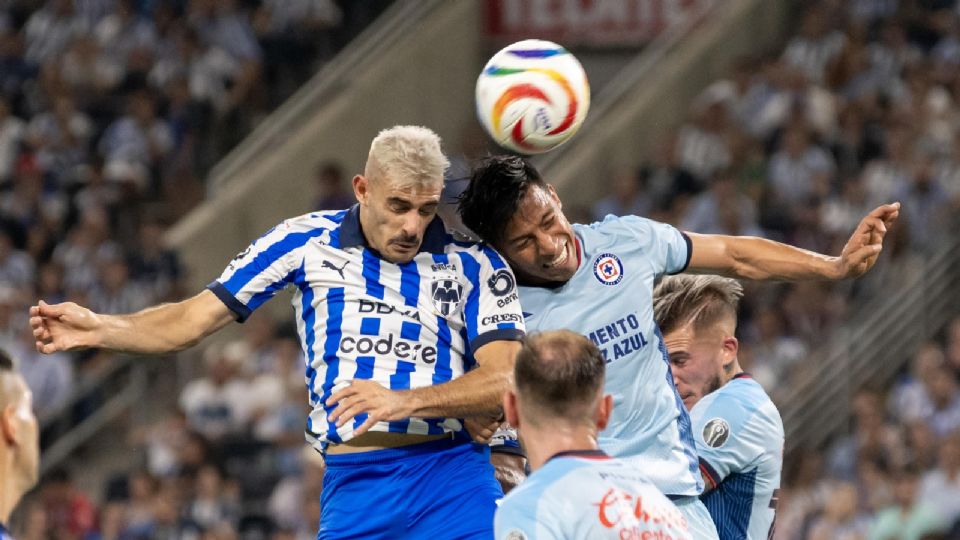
[160, 329]
[479, 392]
[760, 259]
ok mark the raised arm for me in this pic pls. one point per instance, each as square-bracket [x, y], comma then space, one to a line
[478, 392]
[160, 329]
[750, 257]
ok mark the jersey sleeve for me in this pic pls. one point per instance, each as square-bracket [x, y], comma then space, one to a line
[728, 438]
[263, 268]
[669, 249]
[492, 310]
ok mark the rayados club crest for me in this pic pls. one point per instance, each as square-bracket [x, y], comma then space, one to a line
[447, 294]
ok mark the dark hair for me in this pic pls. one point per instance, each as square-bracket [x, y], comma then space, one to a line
[6, 361]
[560, 372]
[497, 183]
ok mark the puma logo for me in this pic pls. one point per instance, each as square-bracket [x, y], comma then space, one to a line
[330, 265]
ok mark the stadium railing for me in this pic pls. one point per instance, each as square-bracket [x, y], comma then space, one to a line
[871, 348]
[94, 403]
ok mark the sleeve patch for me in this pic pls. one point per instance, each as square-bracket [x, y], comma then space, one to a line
[716, 432]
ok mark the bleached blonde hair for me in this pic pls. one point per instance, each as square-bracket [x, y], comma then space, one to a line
[408, 155]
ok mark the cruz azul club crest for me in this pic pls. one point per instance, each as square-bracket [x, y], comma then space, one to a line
[447, 293]
[608, 269]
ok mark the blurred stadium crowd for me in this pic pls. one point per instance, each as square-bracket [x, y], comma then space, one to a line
[858, 109]
[111, 112]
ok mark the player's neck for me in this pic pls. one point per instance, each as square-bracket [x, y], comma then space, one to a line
[553, 440]
[734, 370]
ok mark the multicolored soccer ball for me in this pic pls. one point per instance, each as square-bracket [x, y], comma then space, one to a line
[532, 96]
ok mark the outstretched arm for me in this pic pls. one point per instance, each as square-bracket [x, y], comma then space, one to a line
[749, 257]
[160, 329]
[475, 393]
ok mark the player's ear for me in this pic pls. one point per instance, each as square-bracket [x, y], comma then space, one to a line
[361, 187]
[510, 408]
[8, 424]
[604, 409]
[731, 346]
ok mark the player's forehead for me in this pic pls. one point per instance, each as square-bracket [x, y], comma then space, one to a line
[411, 192]
[534, 205]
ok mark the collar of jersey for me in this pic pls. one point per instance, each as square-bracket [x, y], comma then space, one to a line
[351, 234]
[584, 454]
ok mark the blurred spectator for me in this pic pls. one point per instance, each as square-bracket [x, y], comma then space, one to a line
[11, 133]
[60, 138]
[953, 345]
[293, 33]
[216, 404]
[215, 502]
[16, 267]
[909, 399]
[627, 196]
[133, 145]
[722, 210]
[908, 518]
[331, 188]
[774, 352]
[115, 292]
[841, 519]
[800, 170]
[155, 264]
[815, 45]
[49, 30]
[293, 492]
[704, 146]
[873, 438]
[940, 487]
[70, 512]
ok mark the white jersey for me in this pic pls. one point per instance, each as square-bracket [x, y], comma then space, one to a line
[739, 436]
[610, 300]
[360, 317]
[588, 495]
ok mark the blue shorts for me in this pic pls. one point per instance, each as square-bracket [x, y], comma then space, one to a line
[440, 489]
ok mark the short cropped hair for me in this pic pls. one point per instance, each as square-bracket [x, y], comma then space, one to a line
[700, 300]
[560, 372]
[408, 155]
[497, 184]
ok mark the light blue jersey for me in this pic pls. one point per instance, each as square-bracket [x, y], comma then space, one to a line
[404, 325]
[610, 300]
[588, 495]
[739, 437]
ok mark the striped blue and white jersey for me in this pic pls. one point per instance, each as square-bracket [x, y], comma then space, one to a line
[404, 325]
[587, 495]
[610, 300]
[739, 436]
[4, 533]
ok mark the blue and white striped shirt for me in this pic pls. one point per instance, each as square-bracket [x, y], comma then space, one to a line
[404, 325]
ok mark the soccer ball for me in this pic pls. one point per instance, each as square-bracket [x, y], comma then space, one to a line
[532, 96]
